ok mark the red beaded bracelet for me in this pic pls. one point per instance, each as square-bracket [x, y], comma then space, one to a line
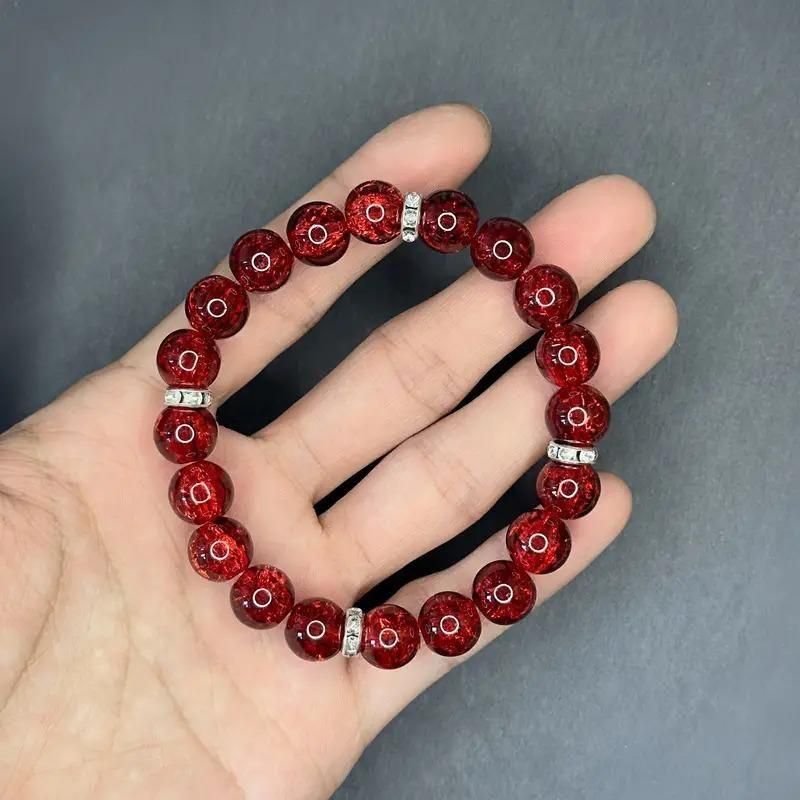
[201, 492]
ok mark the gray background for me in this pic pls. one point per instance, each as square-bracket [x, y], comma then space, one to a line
[138, 139]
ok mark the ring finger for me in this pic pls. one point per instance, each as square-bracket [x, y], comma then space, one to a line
[456, 469]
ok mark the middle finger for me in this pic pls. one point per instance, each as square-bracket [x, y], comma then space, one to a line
[422, 363]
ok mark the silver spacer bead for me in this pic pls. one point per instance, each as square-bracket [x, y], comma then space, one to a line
[188, 398]
[412, 211]
[353, 623]
[570, 454]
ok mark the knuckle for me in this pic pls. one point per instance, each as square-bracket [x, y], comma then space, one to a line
[415, 367]
[297, 311]
[449, 476]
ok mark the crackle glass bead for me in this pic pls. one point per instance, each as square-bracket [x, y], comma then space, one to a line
[502, 248]
[568, 355]
[218, 306]
[220, 550]
[538, 541]
[450, 623]
[449, 221]
[570, 490]
[373, 210]
[317, 233]
[183, 435]
[545, 296]
[578, 415]
[188, 359]
[261, 261]
[390, 636]
[262, 596]
[315, 628]
[201, 492]
[503, 592]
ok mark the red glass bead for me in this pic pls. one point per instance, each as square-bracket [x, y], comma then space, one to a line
[578, 415]
[503, 592]
[538, 541]
[502, 248]
[318, 234]
[261, 261]
[372, 211]
[568, 355]
[218, 306]
[315, 629]
[450, 624]
[201, 492]
[545, 296]
[220, 550]
[570, 490]
[390, 637]
[262, 596]
[188, 359]
[449, 221]
[183, 435]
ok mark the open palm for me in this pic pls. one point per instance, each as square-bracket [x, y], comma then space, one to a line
[123, 674]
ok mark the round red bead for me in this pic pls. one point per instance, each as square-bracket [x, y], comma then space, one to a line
[502, 248]
[571, 490]
[538, 541]
[315, 629]
[372, 211]
[545, 296]
[449, 221]
[183, 435]
[318, 234]
[568, 355]
[450, 624]
[188, 359]
[261, 261]
[503, 592]
[578, 415]
[200, 492]
[390, 637]
[218, 306]
[262, 596]
[220, 550]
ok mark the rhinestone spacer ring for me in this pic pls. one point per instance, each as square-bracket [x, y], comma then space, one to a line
[188, 398]
[353, 624]
[412, 209]
[570, 454]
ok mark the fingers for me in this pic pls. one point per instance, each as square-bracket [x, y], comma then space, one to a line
[438, 146]
[382, 696]
[458, 468]
[421, 364]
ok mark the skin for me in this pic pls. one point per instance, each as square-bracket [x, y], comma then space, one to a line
[123, 674]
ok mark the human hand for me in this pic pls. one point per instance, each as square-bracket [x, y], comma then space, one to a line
[123, 674]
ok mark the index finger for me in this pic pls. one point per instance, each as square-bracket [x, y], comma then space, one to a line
[434, 147]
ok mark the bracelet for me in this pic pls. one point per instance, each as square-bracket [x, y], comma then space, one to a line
[201, 492]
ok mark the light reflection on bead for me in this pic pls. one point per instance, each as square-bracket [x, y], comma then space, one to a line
[450, 623]
[315, 629]
[503, 592]
[391, 637]
[220, 550]
[262, 596]
[373, 211]
[570, 490]
[538, 541]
